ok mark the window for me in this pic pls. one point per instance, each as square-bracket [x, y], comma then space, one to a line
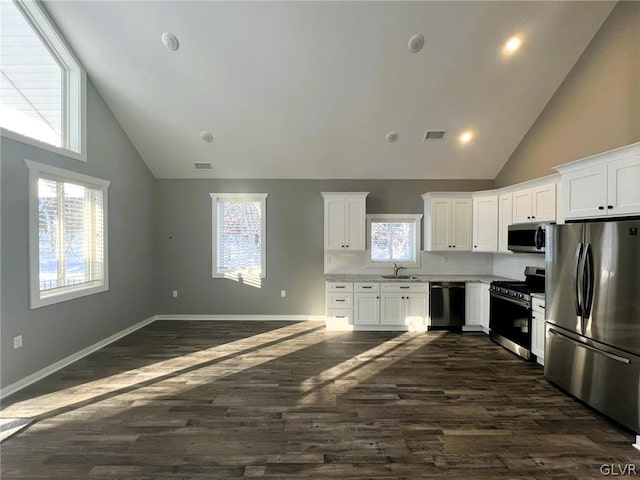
[394, 239]
[239, 247]
[68, 234]
[42, 86]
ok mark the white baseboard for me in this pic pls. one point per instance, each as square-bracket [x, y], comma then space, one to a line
[34, 377]
[261, 318]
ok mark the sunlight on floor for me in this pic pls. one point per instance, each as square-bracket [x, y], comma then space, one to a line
[343, 377]
[250, 352]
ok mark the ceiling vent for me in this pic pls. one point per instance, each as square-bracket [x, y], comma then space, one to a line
[434, 135]
[202, 166]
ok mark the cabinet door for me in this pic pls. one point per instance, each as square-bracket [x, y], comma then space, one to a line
[355, 223]
[623, 192]
[334, 224]
[585, 192]
[440, 224]
[543, 202]
[415, 310]
[485, 301]
[366, 309]
[485, 224]
[392, 308]
[473, 306]
[522, 206]
[461, 223]
[537, 335]
[505, 219]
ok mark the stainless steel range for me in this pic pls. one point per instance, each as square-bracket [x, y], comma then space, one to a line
[511, 313]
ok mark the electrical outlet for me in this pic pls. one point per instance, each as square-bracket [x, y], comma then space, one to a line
[17, 341]
[175, 294]
[283, 293]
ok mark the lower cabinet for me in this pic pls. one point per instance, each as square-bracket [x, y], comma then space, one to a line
[538, 330]
[395, 305]
[477, 307]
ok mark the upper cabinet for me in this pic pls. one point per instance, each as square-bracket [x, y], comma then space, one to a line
[485, 223]
[607, 184]
[536, 204]
[505, 218]
[448, 222]
[344, 220]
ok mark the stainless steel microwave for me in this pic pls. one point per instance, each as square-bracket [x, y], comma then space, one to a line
[526, 237]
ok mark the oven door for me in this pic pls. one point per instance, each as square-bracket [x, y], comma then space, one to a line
[510, 323]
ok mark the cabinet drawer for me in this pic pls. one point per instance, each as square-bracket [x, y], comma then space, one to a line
[339, 287]
[404, 287]
[372, 287]
[538, 304]
[340, 300]
[340, 315]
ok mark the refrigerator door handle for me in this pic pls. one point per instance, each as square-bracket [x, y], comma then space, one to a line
[617, 358]
[578, 281]
[587, 282]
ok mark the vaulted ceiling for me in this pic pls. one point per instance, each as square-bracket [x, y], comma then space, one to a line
[311, 89]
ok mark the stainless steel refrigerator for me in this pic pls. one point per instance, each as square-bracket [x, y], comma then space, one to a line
[593, 315]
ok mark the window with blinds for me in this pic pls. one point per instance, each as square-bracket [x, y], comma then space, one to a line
[239, 235]
[68, 235]
[394, 238]
[41, 82]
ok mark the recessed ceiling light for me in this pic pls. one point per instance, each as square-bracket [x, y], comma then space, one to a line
[206, 136]
[512, 45]
[416, 42]
[170, 41]
[392, 137]
[465, 137]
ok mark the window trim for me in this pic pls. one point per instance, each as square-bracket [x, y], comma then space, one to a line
[247, 197]
[391, 217]
[74, 88]
[36, 171]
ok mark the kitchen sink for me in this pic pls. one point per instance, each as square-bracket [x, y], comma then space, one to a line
[399, 277]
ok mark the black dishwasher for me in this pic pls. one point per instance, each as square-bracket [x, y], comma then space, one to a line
[447, 305]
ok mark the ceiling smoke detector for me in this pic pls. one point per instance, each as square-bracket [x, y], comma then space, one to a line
[206, 136]
[433, 135]
[416, 42]
[202, 166]
[392, 137]
[170, 41]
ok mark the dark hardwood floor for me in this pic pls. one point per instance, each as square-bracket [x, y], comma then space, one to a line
[198, 400]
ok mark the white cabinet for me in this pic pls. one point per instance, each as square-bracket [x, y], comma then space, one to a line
[339, 305]
[611, 188]
[405, 305]
[536, 204]
[476, 307]
[366, 304]
[344, 220]
[448, 222]
[485, 223]
[538, 330]
[505, 218]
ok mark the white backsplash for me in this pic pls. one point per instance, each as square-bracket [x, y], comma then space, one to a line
[511, 265]
[458, 263]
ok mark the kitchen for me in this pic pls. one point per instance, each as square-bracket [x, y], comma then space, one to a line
[549, 113]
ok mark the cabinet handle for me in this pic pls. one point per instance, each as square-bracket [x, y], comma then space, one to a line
[528, 218]
[378, 298]
[600, 207]
[454, 246]
[367, 286]
[475, 246]
[532, 217]
[341, 316]
[338, 300]
[609, 207]
[340, 286]
[404, 287]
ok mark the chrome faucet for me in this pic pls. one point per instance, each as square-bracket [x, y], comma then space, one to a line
[396, 269]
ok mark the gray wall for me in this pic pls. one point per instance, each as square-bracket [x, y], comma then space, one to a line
[596, 108]
[54, 332]
[294, 241]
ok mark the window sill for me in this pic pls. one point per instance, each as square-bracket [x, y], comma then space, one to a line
[69, 293]
[82, 157]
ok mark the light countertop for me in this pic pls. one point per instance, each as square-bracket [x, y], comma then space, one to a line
[420, 278]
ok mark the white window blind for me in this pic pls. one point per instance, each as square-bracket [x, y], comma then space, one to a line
[239, 229]
[70, 234]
